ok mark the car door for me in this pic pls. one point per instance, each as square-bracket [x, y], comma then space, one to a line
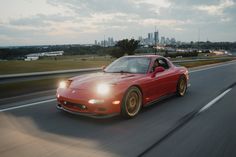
[169, 76]
[156, 86]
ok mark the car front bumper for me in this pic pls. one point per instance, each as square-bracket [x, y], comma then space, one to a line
[92, 115]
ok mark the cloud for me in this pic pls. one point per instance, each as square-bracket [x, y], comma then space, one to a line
[39, 20]
[86, 20]
[142, 8]
[216, 9]
[164, 22]
[153, 5]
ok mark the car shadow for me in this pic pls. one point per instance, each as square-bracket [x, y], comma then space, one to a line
[116, 135]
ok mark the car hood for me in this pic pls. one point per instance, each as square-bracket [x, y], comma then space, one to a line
[90, 80]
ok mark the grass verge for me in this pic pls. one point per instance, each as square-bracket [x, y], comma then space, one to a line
[13, 67]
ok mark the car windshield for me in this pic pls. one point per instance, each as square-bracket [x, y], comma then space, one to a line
[137, 65]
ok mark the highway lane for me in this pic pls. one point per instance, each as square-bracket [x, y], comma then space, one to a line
[210, 134]
[44, 131]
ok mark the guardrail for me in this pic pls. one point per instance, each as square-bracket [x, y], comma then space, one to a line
[23, 76]
[196, 60]
[47, 73]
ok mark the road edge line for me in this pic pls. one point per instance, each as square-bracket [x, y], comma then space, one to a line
[26, 105]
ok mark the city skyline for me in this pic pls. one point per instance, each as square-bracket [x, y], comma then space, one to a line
[45, 22]
[151, 39]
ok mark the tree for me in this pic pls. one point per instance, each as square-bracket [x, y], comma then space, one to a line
[115, 52]
[128, 46]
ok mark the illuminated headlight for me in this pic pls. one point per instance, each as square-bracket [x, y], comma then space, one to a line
[103, 89]
[65, 84]
[62, 84]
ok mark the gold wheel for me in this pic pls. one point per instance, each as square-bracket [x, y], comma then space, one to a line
[182, 86]
[132, 102]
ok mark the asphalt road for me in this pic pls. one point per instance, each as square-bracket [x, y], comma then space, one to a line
[199, 124]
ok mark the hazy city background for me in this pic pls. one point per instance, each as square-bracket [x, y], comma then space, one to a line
[32, 29]
[50, 22]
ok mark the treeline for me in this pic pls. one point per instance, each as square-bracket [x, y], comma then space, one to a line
[123, 47]
[21, 52]
[208, 45]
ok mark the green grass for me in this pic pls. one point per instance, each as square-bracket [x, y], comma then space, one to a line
[63, 63]
[58, 63]
[24, 87]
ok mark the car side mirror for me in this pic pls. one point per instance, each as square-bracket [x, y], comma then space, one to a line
[157, 70]
[103, 67]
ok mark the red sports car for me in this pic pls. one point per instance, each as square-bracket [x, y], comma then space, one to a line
[124, 87]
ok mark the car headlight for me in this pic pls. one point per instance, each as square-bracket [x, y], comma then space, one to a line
[103, 89]
[62, 84]
[65, 84]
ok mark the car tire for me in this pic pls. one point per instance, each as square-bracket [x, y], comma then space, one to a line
[132, 102]
[181, 86]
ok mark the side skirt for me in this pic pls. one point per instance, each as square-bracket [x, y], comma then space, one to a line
[160, 99]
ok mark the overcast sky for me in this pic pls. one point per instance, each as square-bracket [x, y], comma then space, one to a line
[36, 22]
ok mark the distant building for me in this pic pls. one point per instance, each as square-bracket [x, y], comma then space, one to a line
[172, 41]
[96, 42]
[156, 37]
[110, 42]
[150, 37]
[31, 58]
[163, 40]
[35, 56]
[140, 38]
[167, 41]
[103, 43]
[106, 43]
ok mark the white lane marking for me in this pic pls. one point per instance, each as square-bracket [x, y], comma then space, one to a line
[41, 102]
[207, 106]
[27, 105]
[213, 67]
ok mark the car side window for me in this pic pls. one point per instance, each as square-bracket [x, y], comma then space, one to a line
[163, 62]
[155, 64]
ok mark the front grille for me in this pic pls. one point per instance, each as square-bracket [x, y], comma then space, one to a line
[74, 105]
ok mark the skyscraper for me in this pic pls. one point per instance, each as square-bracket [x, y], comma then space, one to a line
[156, 37]
[172, 41]
[162, 40]
[150, 36]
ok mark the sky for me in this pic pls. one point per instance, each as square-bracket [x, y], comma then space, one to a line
[44, 22]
